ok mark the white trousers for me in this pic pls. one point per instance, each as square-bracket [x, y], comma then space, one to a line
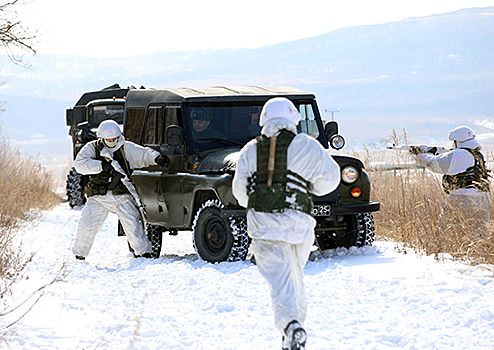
[94, 214]
[282, 265]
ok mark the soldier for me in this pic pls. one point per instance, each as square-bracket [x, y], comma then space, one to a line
[465, 179]
[276, 174]
[109, 161]
[202, 130]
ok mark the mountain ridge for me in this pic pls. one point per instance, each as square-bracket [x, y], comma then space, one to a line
[424, 74]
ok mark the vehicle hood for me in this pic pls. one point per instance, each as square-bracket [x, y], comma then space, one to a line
[225, 160]
[220, 160]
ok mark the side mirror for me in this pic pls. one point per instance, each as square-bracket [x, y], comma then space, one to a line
[69, 117]
[84, 134]
[174, 135]
[331, 129]
[335, 140]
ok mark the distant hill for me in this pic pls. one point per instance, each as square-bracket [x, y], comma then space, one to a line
[426, 75]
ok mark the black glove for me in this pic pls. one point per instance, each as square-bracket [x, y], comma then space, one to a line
[433, 150]
[162, 161]
[415, 150]
[107, 167]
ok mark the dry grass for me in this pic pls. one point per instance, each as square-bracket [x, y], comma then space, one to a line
[412, 201]
[25, 190]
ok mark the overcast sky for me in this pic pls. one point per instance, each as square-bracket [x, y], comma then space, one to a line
[108, 28]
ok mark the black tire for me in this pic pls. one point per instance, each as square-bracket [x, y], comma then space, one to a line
[365, 224]
[155, 236]
[353, 231]
[217, 238]
[75, 195]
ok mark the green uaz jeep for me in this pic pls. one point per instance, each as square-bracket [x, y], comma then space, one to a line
[201, 131]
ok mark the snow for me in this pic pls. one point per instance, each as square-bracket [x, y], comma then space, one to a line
[368, 298]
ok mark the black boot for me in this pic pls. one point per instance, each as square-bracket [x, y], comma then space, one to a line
[295, 337]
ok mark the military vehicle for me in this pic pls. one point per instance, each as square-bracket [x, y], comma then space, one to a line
[84, 118]
[194, 191]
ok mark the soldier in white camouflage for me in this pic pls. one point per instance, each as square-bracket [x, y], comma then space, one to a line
[465, 180]
[109, 162]
[276, 174]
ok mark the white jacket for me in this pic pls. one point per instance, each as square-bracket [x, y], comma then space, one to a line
[137, 156]
[307, 158]
[451, 163]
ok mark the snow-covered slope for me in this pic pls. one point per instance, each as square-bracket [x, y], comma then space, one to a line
[370, 298]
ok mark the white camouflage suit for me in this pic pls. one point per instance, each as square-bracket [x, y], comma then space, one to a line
[282, 242]
[471, 202]
[97, 207]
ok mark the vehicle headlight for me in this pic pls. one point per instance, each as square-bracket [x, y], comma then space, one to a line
[337, 142]
[349, 174]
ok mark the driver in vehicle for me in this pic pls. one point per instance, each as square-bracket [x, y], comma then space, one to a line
[202, 130]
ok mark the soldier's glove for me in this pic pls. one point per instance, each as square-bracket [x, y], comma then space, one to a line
[415, 150]
[162, 161]
[106, 167]
[433, 150]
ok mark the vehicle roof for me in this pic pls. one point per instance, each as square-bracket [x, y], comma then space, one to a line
[101, 94]
[143, 97]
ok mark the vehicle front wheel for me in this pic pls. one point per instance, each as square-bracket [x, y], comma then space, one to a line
[155, 236]
[217, 238]
[356, 230]
[365, 224]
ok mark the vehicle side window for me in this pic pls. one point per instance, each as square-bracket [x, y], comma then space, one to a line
[307, 123]
[134, 123]
[154, 123]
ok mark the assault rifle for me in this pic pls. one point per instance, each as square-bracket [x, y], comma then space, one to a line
[420, 149]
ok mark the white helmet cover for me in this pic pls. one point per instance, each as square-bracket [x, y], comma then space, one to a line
[461, 134]
[108, 129]
[279, 107]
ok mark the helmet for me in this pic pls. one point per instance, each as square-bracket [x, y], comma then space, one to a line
[279, 107]
[461, 134]
[108, 129]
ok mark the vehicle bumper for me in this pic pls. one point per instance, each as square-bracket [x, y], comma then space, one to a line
[325, 211]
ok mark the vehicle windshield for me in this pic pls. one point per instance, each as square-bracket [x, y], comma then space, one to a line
[238, 123]
[99, 113]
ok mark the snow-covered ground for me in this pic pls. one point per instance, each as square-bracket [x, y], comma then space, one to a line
[370, 298]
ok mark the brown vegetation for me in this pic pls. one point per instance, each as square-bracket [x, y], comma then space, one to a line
[412, 201]
[25, 190]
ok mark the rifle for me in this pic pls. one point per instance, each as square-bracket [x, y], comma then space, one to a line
[416, 149]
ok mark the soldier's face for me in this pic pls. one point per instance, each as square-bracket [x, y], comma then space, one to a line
[200, 125]
[111, 142]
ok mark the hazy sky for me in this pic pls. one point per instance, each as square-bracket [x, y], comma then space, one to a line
[108, 28]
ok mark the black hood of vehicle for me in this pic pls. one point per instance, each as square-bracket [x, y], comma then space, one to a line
[222, 160]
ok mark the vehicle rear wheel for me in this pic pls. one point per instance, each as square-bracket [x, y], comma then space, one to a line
[73, 188]
[217, 238]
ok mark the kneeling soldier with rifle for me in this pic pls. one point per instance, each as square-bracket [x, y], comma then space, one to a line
[465, 178]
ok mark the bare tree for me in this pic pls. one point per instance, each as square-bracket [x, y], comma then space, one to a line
[13, 35]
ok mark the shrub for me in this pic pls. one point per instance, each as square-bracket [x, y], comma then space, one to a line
[26, 189]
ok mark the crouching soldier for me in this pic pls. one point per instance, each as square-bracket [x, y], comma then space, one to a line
[465, 180]
[109, 162]
[276, 174]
